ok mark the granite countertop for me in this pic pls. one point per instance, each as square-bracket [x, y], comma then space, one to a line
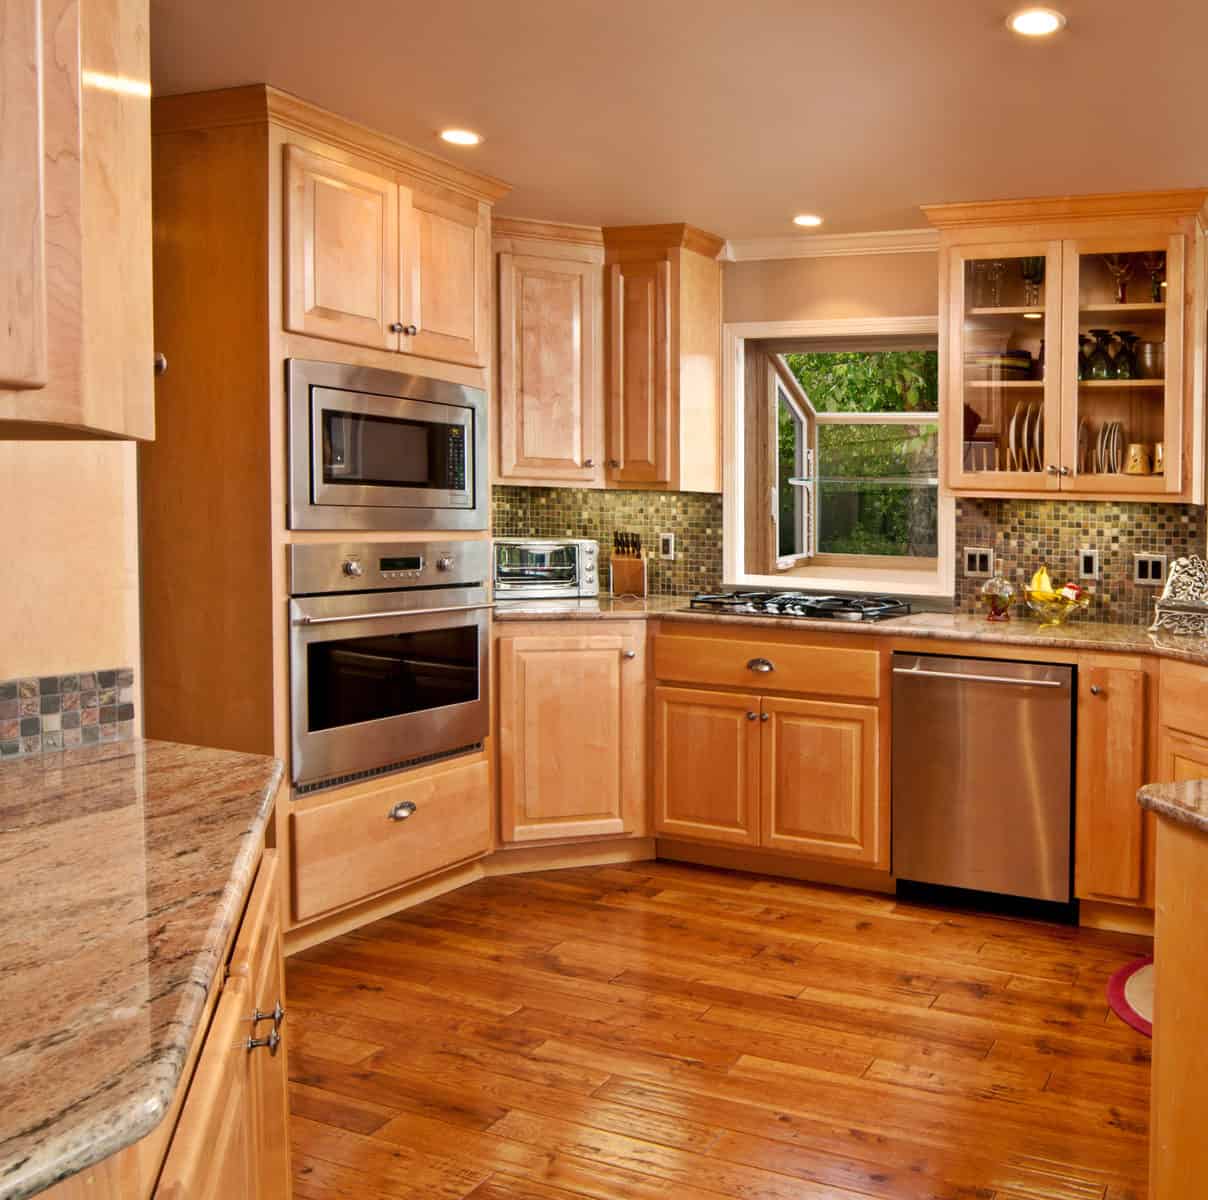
[1186, 803]
[937, 626]
[125, 867]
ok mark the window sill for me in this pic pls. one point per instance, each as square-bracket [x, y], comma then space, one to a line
[907, 582]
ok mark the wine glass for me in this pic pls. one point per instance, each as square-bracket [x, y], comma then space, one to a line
[1032, 270]
[1155, 263]
[995, 270]
[1120, 266]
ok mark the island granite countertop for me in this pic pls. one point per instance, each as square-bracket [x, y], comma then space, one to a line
[934, 626]
[1185, 802]
[125, 869]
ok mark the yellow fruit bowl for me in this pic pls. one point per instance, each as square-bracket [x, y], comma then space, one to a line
[1053, 608]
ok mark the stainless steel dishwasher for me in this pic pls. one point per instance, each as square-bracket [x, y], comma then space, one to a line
[982, 782]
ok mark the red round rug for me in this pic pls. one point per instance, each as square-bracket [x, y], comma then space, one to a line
[1130, 994]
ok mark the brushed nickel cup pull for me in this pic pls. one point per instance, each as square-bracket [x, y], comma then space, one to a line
[272, 1042]
[760, 664]
[402, 810]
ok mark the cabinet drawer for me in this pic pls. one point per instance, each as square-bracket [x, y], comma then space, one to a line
[819, 670]
[1183, 696]
[350, 849]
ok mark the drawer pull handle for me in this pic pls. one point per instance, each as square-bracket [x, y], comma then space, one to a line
[272, 1042]
[760, 664]
[401, 811]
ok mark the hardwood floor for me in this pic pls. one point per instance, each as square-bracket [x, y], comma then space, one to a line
[662, 1032]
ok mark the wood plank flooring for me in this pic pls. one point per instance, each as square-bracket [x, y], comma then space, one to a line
[662, 1032]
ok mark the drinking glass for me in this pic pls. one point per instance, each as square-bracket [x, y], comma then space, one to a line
[1120, 265]
[1032, 270]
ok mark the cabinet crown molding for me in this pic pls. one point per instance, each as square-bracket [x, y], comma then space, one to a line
[663, 237]
[547, 231]
[259, 103]
[1182, 202]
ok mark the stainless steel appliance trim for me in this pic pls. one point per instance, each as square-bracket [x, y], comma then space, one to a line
[980, 678]
[396, 612]
[321, 568]
[304, 513]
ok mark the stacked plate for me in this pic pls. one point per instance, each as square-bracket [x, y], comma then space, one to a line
[1025, 438]
[1109, 449]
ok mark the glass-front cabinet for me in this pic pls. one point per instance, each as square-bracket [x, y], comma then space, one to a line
[1073, 357]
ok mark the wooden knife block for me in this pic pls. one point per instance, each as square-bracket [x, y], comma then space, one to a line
[627, 577]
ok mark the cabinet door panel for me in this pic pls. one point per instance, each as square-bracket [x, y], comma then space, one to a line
[820, 785]
[1110, 854]
[639, 385]
[548, 399]
[342, 263]
[707, 765]
[445, 277]
[572, 735]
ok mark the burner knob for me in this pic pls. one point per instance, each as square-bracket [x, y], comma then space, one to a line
[353, 569]
[444, 563]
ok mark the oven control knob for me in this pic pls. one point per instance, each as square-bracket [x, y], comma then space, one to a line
[353, 568]
[444, 563]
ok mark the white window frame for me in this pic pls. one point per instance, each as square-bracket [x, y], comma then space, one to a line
[935, 581]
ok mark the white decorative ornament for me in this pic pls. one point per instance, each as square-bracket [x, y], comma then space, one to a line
[1183, 606]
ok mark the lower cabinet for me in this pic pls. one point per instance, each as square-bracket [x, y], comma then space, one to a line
[232, 1139]
[572, 731]
[792, 775]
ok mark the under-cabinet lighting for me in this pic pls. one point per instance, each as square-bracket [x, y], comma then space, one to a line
[808, 220]
[1033, 316]
[1036, 22]
[461, 137]
[122, 84]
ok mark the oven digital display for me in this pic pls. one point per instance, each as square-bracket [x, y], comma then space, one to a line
[409, 562]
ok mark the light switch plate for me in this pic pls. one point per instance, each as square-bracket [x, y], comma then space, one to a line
[667, 545]
[1149, 570]
[979, 561]
[1088, 563]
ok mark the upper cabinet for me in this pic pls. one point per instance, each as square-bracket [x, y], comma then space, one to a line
[76, 356]
[1072, 333]
[381, 259]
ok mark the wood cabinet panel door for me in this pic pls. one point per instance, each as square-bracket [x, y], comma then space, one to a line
[571, 735]
[820, 793]
[706, 783]
[1110, 834]
[639, 372]
[548, 369]
[342, 251]
[1182, 757]
[446, 277]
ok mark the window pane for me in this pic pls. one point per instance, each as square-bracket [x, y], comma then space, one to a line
[791, 459]
[869, 380]
[878, 489]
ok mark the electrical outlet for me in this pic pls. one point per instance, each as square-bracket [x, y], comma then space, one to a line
[1149, 570]
[667, 545]
[1088, 563]
[979, 561]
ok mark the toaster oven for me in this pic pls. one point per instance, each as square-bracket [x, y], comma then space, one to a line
[546, 568]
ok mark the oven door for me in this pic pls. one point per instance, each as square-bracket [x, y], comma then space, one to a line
[372, 449]
[384, 679]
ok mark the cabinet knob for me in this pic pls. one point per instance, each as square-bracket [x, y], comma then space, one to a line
[752, 716]
[410, 330]
[589, 462]
[402, 810]
[1065, 471]
[272, 1042]
[1095, 689]
[765, 716]
[614, 463]
[161, 363]
[630, 654]
[396, 327]
[1052, 470]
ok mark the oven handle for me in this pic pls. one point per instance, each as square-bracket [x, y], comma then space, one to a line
[402, 612]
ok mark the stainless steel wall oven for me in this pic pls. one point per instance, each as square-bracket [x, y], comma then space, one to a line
[372, 449]
[389, 655]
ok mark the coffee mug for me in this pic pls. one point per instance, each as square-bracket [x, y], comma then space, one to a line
[1138, 460]
[1159, 458]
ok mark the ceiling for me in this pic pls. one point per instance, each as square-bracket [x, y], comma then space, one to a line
[734, 116]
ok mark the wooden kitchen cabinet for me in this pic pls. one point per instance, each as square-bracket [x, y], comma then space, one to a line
[1111, 850]
[550, 400]
[706, 765]
[572, 731]
[663, 357]
[76, 355]
[1024, 285]
[819, 794]
[232, 1139]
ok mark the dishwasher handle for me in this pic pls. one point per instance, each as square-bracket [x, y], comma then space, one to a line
[921, 671]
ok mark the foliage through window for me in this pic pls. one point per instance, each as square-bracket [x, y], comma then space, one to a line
[857, 461]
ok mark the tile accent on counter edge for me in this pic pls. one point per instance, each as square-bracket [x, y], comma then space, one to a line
[48, 713]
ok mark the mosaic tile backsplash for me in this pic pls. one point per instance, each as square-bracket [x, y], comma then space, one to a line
[694, 518]
[1025, 533]
[57, 712]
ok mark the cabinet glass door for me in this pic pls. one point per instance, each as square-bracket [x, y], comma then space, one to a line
[1003, 374]
[1122, 366]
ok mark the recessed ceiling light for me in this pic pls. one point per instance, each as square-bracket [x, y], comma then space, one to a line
[1036, 22]
[808, 220]
[461, 137]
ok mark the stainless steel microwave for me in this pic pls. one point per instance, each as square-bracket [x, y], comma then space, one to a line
[372, 449]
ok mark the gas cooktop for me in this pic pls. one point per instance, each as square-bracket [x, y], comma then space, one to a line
[802, 604]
